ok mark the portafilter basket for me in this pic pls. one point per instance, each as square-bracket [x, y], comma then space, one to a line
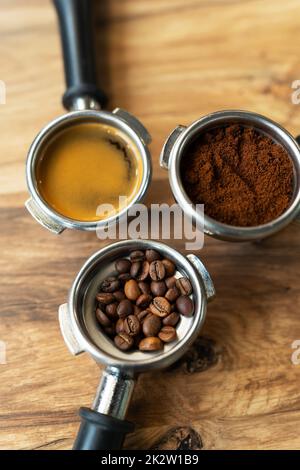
[174, 150]
[84, 100]
[104, 425]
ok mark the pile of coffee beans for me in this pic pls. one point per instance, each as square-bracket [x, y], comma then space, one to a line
[140, 305]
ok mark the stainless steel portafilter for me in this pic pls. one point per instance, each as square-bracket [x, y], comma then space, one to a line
[104, 425]
[84, 102]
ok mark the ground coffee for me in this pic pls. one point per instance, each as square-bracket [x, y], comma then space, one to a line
[241, 176]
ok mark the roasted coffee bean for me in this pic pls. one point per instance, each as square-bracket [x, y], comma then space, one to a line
[157, 271]
[151, 325]
[152, 255]
[124, 277]
[123, 266]
[185, 305]
[102, 318]
[132, 290]
[110, 285]
[105, 298]
[143, 300]
[160, 307]
[124, 308]
[132, 325]
[137, 255]
[151, 343]
[143, 272]
[170, 267]
[120, 326]
[158, 288]
[167, 334]
[136, 268]
[142, 315]
[119, 295]
[136, 310]
[170, 282]
[144, 286]
[111, 310]
[184, 286]
[172, 294]
[123, 341]
[110, 330]
[172, 319]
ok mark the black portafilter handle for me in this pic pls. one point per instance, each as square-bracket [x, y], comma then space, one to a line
[100, 432]
[76, 29]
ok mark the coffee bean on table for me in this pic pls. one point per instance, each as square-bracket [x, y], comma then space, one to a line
[152, 255]
[184, 286]
[132, 325]
[137, 255]
[111, 310]
[151, 325]
[119, 295]
[151, 343]
[158, 288]
[172, 294]
[111, 284]
[123, 266]
[172, 319]
[167, 334]
[124, 308]
[157, 270]
[119, 326]
[102, 318]
[143, 300]
[185, 305]
[123, 341]
[170, 282]
[160, 307]
[170, 267]
[132, 290]
[144, 287]
[105, 298]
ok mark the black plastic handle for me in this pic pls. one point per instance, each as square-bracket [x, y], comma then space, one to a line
[76, 29]
[100, 432]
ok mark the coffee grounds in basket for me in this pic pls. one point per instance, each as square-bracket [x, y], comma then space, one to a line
[242, 176]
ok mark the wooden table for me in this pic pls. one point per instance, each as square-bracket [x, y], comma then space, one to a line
[168, 62]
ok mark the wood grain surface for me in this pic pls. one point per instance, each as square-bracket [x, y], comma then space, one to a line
[168, 62]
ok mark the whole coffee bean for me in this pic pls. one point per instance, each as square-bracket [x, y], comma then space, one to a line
[110, 330]
[184, 286]
[167, 334]
[157, 270]
[172, 319]
[143, 300]
[102, 318]
[105, 298]
[151, 325]
[119, 295]
[142, 315]
[152, 255]
[120, 326]
[144, 287]
[136, 268]
[111, 284]
[124, 308]
[185, 305]
[132, 325]
[124, 277]
[160, 307]
[132, 290]
[111, 310]
[137, 255]
[172, 294]
[158, 288]
[170, 267]
[123, 266]
[151, 343]
[170, 282]
[144, 271]
[123, 341]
